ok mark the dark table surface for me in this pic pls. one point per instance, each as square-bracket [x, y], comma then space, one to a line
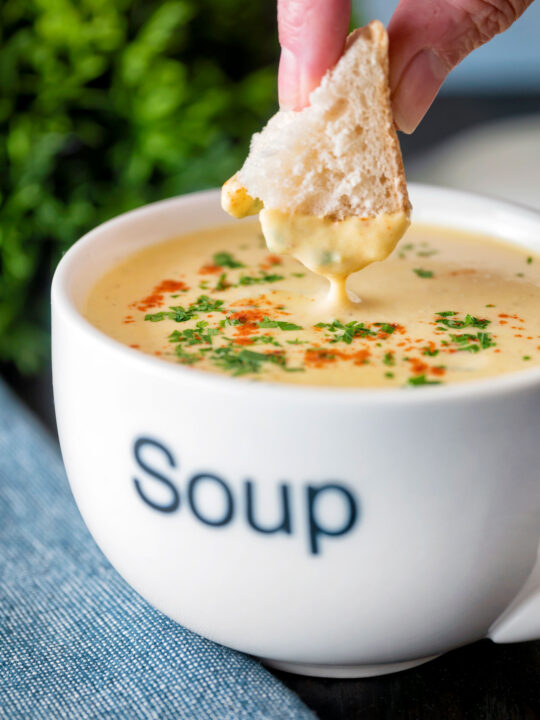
[483, 681]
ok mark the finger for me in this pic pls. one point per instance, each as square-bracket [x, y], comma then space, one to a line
[430, 37]
[312, 35]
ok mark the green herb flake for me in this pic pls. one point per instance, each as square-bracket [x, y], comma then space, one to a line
[389, 359]
[298, 275]
[389, 375]
[222, 283]
[385, 327]
[267, 323]
[225, 259]
[529, 260]
[431, 352]
[244, 362]
[351, 330]
[526, 357]
[264, 277]
[420, 380]
[468, 321]
[423, 273]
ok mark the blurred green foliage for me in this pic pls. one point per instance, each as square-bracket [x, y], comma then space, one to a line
[106, 105]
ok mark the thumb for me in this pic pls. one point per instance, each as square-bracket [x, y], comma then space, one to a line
[312, 35]
[430, 37]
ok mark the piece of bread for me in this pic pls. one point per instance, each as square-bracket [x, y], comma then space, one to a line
[339, 157]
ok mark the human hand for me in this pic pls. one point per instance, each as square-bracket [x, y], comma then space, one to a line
[427, 39]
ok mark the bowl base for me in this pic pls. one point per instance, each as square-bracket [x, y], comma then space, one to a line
[345, 671]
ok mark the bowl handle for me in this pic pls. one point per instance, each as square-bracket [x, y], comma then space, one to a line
[521, 620]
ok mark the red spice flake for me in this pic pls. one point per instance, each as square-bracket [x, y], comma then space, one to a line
[210, 269]
[503, 322]
[135, 347]
[270, 261]
[529, 337]
[463, 271]
[518, 335]
[249, 321]
[157, 296]
[243, 341]
[497, 350]
[418, 367]
[252, 302]
[321, 358]
[437, 370]
[128, 320]
[157, 352]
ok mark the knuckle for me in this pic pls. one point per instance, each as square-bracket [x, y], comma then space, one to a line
[291, 20]
[487, 18]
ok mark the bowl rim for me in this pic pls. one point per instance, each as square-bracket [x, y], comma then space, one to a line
[64, 307]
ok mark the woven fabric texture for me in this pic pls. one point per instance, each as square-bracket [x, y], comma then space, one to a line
[76, 642]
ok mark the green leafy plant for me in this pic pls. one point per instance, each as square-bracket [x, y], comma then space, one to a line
[106, 105]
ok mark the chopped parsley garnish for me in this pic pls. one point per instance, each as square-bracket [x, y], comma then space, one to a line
[265, 340]
[385, 327]
[526, 357]
[205, 304]
[296, 341]
[222, 283]
[187, 358]
[420, 380]
[225, 259]
[520, 274]
[529, 260]
[389, 375]
[473, 343]
[267, 323]
[264, 277]
[468, 321]
[298, 275]
[432, 352]
[351, 330]
[423, 273]
[388, 359]
[244, 362]
[198, 335]
[179, 314]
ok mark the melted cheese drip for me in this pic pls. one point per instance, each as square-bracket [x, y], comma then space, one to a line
[332, 248]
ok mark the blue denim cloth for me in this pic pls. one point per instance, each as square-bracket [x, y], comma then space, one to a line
[76, 641]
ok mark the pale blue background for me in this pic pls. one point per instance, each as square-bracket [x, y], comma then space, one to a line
[509, 63]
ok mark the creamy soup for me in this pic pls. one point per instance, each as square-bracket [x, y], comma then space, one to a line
[445, 307]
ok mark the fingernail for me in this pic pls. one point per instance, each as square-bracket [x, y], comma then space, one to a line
[417, 89]
[293, 82]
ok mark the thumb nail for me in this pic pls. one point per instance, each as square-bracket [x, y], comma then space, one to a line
[417, 89]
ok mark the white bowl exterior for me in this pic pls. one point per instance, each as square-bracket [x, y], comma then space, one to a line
[444, 480]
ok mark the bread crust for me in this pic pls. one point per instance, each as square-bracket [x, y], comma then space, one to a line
[376, 31]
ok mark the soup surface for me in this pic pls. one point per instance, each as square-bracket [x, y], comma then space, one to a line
[445, 307]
